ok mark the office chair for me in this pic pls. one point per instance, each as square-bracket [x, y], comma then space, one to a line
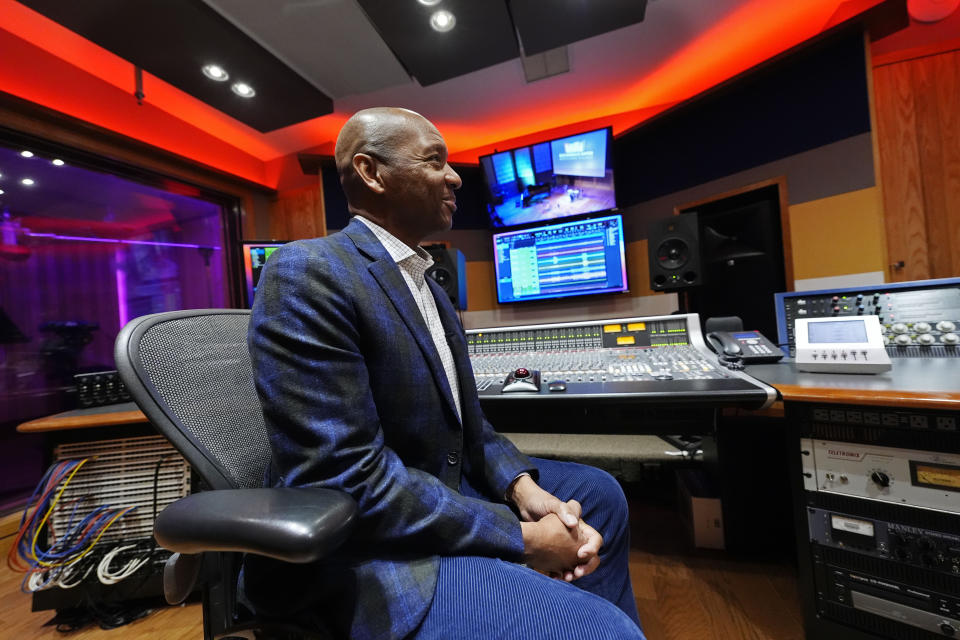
[190, 373]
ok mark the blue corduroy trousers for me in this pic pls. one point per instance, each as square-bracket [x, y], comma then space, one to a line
[490, 598]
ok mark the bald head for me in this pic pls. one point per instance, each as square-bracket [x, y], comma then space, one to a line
[379, 132]
[394, 171]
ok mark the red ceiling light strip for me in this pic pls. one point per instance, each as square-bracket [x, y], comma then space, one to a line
[754, 32]
[68, 73]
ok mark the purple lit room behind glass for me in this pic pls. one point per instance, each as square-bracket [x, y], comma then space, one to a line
[81, 253]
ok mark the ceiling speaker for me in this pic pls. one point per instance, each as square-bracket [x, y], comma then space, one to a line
[931, 10]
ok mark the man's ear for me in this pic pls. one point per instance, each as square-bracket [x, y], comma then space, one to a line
[368, 169]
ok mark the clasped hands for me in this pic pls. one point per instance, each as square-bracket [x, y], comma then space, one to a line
[556, 540]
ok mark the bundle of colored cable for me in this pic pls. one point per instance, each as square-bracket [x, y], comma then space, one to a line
[55, 565]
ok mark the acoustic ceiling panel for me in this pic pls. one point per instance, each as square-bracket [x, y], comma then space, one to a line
[547, 24]
[483, 35]
[331, 43]
[173, 39]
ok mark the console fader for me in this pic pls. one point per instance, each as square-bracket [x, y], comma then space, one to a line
[656, 358]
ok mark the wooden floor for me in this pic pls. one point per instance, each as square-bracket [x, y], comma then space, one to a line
[682, 594]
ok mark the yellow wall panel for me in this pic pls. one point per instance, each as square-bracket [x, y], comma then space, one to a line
[838, 235]
[481, 287]
[638, 269]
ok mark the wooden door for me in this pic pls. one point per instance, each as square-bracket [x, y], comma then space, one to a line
[918, 135]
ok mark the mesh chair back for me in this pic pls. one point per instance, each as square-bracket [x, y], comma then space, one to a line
[190, 373]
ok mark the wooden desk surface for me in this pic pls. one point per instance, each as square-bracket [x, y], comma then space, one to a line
[928, 383]
[115, 414]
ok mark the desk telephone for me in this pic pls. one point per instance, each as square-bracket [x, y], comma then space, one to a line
[737, 348]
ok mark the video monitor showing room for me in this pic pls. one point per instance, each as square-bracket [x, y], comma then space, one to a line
[558, 178]
[574, 258]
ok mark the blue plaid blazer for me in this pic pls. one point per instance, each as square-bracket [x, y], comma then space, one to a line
[355, 398]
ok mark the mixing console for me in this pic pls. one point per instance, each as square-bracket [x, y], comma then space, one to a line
[617, 359]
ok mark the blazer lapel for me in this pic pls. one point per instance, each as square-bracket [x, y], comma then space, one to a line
[454, 333]
[388, 276]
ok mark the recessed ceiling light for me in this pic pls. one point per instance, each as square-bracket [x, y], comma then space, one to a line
[27, 182]
[58, 162]
[216, 72]
[429, 3]
[442, 20]
[26, 154]
[1, 192]
[243, 90]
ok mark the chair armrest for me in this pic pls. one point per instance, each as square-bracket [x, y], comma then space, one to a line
[289, 524]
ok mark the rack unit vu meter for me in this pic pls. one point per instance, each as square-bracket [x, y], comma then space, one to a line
[878, 522]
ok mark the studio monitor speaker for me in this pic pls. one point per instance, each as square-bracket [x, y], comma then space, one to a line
[674, 250]
[449, 270]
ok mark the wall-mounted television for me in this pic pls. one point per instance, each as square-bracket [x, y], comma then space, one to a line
[572, 258]
[255, 255]
[568, 176]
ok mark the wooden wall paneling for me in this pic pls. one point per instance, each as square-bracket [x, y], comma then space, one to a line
[902, 175]
[875, 145]
[298, 213]
[947, 72]
[929, 146]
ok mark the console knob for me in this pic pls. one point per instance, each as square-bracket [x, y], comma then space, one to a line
[947, 629]
[899, 327]
[950, 338]
[922, 327]
[881, 479]
[946, 326]
[926, 338]
[902, 339]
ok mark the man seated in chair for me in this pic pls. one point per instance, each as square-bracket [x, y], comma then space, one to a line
[362, 369]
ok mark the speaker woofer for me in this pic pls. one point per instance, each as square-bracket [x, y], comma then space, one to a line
[442, 276]
[673, 253]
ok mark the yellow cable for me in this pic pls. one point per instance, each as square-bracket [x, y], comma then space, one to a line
[33, 546]
[36, 534]
[102, 531]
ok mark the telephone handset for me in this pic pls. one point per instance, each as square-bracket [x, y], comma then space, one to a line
[743, 347]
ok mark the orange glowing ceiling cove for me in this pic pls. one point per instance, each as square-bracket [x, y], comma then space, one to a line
[753, 33]
[99, 89]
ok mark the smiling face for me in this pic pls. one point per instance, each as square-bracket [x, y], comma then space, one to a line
[418, 182]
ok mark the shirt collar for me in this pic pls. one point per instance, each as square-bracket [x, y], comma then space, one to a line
[417, 262]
